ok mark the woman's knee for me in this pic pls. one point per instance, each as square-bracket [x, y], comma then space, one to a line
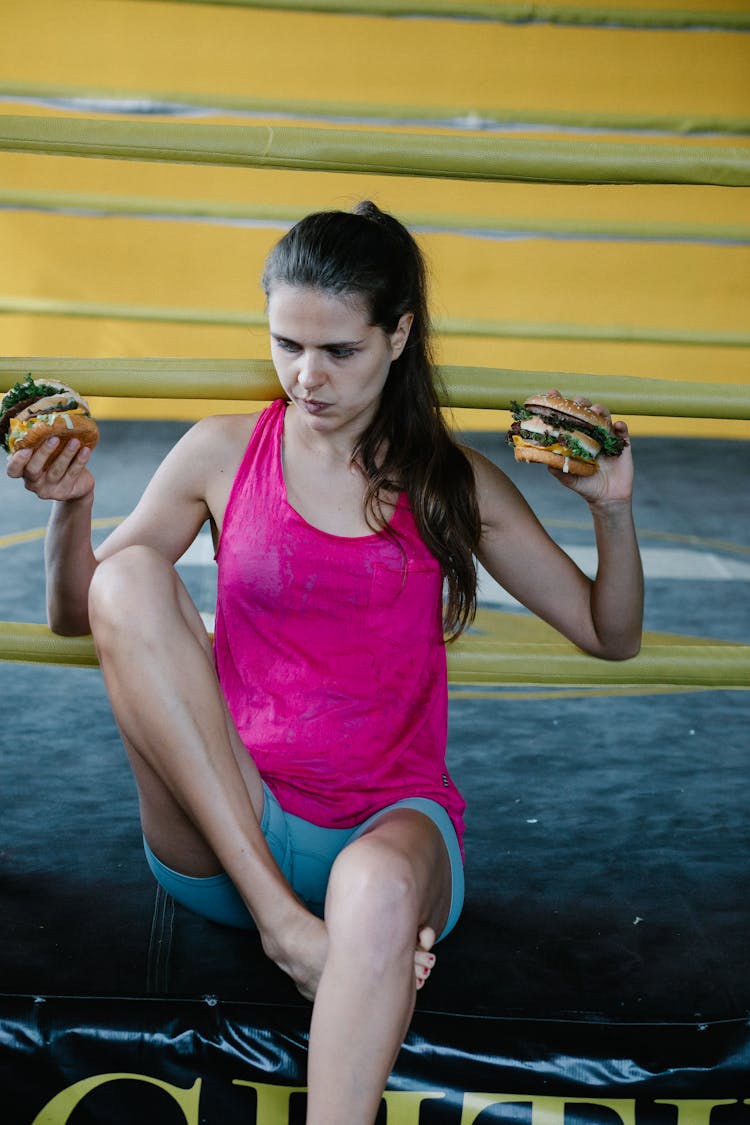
[373, 892]
[124, 583]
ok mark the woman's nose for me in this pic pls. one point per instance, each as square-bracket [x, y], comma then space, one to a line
[310, 372]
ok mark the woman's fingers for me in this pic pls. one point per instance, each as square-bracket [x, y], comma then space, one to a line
[53, 470]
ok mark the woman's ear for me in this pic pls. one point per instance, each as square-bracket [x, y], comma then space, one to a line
[401, 334]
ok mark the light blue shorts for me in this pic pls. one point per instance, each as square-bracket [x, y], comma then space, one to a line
[305, 853]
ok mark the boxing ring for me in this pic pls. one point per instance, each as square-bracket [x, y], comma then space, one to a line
[601, 971]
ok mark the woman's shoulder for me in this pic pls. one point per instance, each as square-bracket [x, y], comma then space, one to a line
[226, 427]
[221, 436]
[212, 447]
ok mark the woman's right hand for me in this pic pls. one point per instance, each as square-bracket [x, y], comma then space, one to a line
[54, 473]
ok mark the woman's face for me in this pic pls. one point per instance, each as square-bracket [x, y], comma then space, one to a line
[331, 362]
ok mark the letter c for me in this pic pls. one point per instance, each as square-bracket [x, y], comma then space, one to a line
[58, 1110]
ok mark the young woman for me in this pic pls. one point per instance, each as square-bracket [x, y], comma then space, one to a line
[292, 773]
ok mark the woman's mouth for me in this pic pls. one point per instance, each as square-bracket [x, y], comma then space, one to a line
[312, 406]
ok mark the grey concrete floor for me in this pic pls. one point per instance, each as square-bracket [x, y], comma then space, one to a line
[606, 833]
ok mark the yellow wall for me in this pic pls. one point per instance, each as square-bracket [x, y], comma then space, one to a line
[127, 265]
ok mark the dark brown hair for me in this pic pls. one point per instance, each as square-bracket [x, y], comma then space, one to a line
[407, 446]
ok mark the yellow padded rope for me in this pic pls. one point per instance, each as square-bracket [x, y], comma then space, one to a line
[634, 228]
[381, 153]
[364, 114]
[487, 388]
[443, 326]
[662, 15]
[474, 661]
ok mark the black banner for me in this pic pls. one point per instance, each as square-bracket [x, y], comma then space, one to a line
[68, 1061]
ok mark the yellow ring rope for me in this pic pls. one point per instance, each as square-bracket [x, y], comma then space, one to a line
[381, 153]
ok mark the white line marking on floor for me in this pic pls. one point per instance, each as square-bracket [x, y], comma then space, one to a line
[666, 563]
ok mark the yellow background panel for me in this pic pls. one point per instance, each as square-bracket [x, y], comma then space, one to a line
[211, 49]
[210, 266]
[121, 48]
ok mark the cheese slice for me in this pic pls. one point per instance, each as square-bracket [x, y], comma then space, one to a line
[18, 428]
[556, 447]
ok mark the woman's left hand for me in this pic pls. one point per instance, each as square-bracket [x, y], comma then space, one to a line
[613, 480]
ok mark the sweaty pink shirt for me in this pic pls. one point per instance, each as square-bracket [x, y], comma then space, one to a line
[331, 658]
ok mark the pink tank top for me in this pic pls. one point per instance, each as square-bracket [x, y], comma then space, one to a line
[329, 652]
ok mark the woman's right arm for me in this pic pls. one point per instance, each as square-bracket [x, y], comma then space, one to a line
[69, 564]
[69, 558]
[180, 497]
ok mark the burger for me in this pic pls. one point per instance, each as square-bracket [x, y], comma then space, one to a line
[563, 433]
[32, 412]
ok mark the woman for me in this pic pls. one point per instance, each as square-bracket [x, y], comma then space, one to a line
[292, 774]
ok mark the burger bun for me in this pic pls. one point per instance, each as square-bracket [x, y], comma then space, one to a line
[568, 407]
[63, 425]
[567, 464]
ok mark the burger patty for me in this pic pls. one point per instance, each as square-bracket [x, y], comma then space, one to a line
[11, 413]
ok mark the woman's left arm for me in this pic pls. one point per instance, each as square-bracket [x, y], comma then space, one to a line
[604, 616]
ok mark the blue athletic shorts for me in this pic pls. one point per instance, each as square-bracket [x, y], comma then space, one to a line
[305, 853]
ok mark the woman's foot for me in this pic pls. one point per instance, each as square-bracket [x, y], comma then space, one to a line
[424, 960]
[301, 953]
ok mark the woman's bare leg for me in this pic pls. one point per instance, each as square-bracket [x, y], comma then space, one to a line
[386, 888]
[200, 794]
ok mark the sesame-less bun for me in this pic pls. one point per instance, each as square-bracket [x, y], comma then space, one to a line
[565, 406]
[63, 424]
[562, 461]
[32, 412]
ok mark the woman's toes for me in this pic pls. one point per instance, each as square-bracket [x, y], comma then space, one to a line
[426, 938]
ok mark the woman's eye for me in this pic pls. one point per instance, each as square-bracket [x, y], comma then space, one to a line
[293, 348]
